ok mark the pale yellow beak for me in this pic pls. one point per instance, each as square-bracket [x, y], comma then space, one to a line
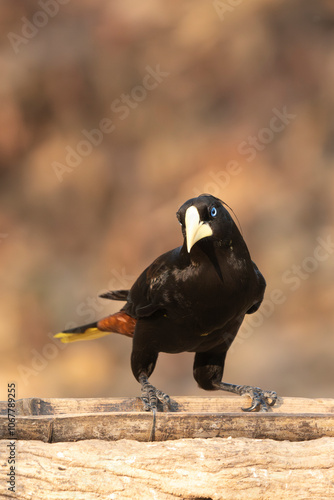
[195, 228]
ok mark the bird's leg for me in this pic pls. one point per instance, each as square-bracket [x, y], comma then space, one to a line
[261, 400]
[208, 372]
[150, 395]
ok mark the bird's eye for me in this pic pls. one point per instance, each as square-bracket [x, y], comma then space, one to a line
[213, 212]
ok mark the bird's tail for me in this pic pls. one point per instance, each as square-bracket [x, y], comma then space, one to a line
[116, 295]
[119, 322]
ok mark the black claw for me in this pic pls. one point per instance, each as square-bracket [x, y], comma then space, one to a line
[271, 397]
[261, 400]
[255, 406]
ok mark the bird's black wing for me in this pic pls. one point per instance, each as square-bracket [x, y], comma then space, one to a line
[149, 293]
[262, 286]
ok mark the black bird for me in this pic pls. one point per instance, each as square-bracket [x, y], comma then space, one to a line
[193, 298]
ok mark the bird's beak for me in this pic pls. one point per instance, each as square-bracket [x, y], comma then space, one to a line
[195, 228]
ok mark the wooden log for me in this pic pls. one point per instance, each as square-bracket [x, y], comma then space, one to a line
[57, 420]
[234, 461]
[224, 404]
[214, 468]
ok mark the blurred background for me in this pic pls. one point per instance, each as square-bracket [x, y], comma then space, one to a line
[112, 115]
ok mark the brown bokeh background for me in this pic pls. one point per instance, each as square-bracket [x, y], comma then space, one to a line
[66, 235]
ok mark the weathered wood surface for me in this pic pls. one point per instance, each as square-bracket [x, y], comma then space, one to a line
[229, 469]
[56, 420]
[206, 404]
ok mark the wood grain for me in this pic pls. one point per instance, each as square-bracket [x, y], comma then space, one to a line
[228, 468]
[57, 420]
[227, 404]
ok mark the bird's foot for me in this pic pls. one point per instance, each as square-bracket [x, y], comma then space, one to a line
[150, 395]
[261, 400]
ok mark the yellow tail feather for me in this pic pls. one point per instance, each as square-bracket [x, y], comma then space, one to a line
[89, 334]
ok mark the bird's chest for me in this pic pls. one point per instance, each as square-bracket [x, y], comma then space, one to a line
[207, 300]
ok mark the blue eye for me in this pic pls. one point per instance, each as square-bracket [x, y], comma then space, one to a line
[213, 212]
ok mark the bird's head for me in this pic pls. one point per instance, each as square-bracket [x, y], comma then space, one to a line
[205, 217]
